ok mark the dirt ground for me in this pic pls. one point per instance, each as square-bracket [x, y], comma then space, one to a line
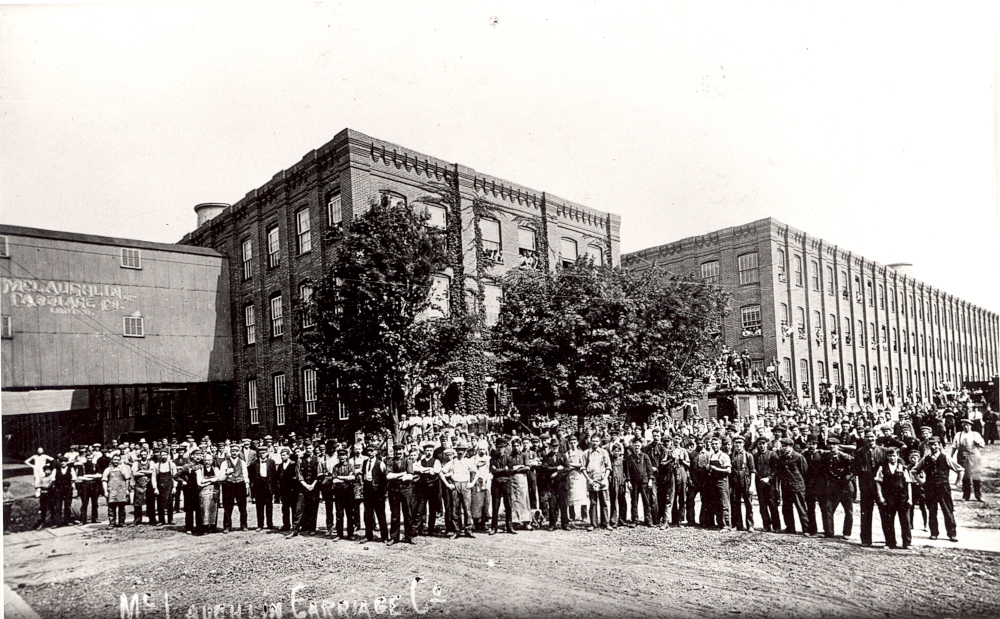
[680, 572]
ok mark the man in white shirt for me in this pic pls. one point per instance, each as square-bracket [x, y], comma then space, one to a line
[235, 488]
[966, 449]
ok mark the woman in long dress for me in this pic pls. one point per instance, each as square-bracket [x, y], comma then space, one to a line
[208, 478]
[578, 493]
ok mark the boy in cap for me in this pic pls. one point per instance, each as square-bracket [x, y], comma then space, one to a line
[937, 488]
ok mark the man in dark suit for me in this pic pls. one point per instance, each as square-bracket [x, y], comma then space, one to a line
[288, 485]
[374, 494]
[868, 458]
[263, 487]
[639, 476]
[307, 507]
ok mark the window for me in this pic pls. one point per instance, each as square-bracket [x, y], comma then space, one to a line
[857, 289]
[750, 316]
[527, 247]
[870, 292]
[830, 284]
[131, 258]
[894, 306]
[6, 330]
[273, 248]
[247, 259]
[798, 270]
[784, 314]
[850, 376]
[341, 407]
[872, 334]
[393, 199]
[847, 330]
[781, 265]
[882, 330]
[4, 247]
[567, 252]
[492, 249]
[748, 269]
[801, 323]
[895, 339]
[302, 229]
[864, 379]
[251, 324]
[305, 297]
[492, 297]
[279, 399]
[804, 374]
[596, 255]
[844, 293]
[440, 296]
[817, 320]
[309, 390]
[252, 401]
[710, 272]
[821, 370]
[786, 369]
[334, 210]
[814, 275]
[277, 323]
[838, 380]
[438, 216]
[133, 326]
[881, 297]
[861, 333]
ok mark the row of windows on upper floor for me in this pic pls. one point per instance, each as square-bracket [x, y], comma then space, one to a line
[747, 265]
[437, 218]
[310, 397]
[750, 318]
[875, 378]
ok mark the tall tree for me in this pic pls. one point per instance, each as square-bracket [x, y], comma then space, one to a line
[587, 339]
[378, 333]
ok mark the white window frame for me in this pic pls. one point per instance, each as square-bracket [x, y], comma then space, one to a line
[247, 259]
[279, 399]
[133, 326]
[334, 210]
[273, 247]
[391, 198]
[250, 323]
[491, 314]
[277, 317]
[710, 272]
[305, 297]
[492, 244]
[6, 328]
[252, 401]
[749, 273]
[437, 216]
[303, 231]
[596, 253]
[750, 321]
[131, 258]
[4, 246]
[309, 390]
[564, 243]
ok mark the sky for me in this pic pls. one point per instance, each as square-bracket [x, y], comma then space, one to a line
[870, 125]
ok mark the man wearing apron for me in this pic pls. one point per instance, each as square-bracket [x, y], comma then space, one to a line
[966, 451]
[163, 487]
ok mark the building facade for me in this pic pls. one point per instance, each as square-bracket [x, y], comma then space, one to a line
[277, 248]
[103, 336]
[830, 322]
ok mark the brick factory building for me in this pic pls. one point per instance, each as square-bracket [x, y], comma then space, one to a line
[829, 321]
[104, 336]
[277, 248]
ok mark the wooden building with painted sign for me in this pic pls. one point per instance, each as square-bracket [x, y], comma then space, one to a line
[104, 336]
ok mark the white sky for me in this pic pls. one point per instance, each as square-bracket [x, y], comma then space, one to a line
[870, 125]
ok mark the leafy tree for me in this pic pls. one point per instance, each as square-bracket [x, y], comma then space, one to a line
[587, 339]
[373, 330]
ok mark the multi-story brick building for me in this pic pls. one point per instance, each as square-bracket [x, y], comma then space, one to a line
[275, 240]
[824, 317]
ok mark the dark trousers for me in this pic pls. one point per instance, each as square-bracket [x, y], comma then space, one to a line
[89, 492]
[619, 505]
[767, 499]
[461, 502]
[306, 509]
[641, 490]
[264, 505]
[164, 503]
[234, 493]
[116, 513]
[554, 506]
[970, 485]
[62, 499]
[289, 501]
[399, 505]
[532, 491]
[664, 498]
[890, 513]
[329, 503]
[679, 507]
[425, 515]
[501, 494]
[868, 493]
[447, 508]
[739, 500]
[814, 498]
[151, 504]
[345, 511]
[190, 506]
[719, 503]
[939, 496]
[794, 501]
[374, 509]
[838, 494]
